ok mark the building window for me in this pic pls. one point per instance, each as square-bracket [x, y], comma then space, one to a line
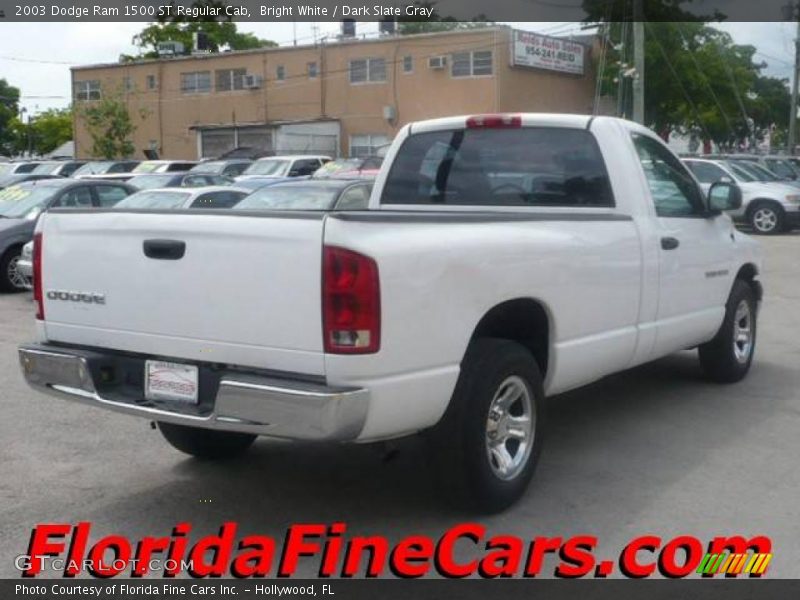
[472, 64]
[366, 144]
[87, 90]
[368, 70]
[312, 70]
[280, 73]
[230, 79]
[197, 82]
[127, 84]
[408, 64]
[151, 82]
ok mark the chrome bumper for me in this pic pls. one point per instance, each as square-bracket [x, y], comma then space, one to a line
[245, 403]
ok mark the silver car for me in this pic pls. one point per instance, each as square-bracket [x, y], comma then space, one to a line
[768, 207]
[25, 264]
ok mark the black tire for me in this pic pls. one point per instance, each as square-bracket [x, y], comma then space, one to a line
[9, 258]
[723, 359]
[461, 440]
[767, 218]
[206, 443]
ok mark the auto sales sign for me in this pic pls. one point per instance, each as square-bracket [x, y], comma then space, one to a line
[544, 52]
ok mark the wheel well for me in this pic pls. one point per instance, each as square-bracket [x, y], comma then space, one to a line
[755, 203]
[10, 248]
[523, 320]
[748, 274]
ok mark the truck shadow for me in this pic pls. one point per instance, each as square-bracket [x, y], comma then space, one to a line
[610, 447]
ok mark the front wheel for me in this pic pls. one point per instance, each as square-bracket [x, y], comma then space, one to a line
[767, 218]
[487, 444]
[11, 280]
[206, 443]
[727, 358]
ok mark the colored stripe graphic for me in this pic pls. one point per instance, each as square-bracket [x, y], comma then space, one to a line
[733, 564]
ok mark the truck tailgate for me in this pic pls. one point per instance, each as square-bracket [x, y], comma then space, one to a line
[245, 292]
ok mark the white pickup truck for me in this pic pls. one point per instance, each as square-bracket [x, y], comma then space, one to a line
[504, 258]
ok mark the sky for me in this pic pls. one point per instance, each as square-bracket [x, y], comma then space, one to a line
[36, 57]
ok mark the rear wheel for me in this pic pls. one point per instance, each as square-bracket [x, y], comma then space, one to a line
[11, 280]
[487, 444]
[728, 356]
[767, 218]
[206, 443]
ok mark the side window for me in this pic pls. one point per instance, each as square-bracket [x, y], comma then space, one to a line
[354, 198]
[79, 197]
[109, 195]
[218, 200]
[195, 181]
[304, 167]
[674, 192]
[706, 172]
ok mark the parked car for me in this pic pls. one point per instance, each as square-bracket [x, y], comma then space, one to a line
[780, 165]
[284, 166]
[62, 168]
[190, 179]
[22, 204]
[256, 183]
[25, 264]
[310, 194]
[350, 168]
[176, 198]
[105, 167]
[768, 207]
[10, 180]
[12, 168]
[247, 152]
[164, 166]
[503, 258]
[227, 168]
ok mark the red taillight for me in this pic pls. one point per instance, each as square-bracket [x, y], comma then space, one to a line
[494, 122]
[351, 302]
[38, 294]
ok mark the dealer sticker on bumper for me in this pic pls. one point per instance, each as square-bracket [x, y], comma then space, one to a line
[170, 381]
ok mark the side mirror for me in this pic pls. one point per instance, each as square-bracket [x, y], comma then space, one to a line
[724, 196]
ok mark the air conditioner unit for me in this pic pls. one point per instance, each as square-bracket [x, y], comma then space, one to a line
[252, 82]
[437, 62]
[169, 48]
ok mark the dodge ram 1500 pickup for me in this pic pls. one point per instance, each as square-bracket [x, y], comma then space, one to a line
[503, 258]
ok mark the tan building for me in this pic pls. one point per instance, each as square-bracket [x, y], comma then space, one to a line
[346, 97]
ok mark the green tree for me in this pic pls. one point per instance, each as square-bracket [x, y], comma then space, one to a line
[9, 109]
[696, 81]
[110, 126]
[220, 30]
[50, 129]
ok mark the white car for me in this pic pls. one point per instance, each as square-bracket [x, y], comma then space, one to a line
[212, 196]
[25, 263]
[503, 258]
[284, 166]
[768, 207]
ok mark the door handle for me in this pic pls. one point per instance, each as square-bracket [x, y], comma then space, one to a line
[164, 249]
[669, 243]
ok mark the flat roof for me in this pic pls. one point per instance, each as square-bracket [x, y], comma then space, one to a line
[338, 41]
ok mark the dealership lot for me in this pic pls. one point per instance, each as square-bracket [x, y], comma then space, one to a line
[656, 450]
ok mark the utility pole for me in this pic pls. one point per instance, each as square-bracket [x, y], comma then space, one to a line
[638, 61]
[790, 143]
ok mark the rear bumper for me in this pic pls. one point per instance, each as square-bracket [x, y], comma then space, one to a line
[243, 402]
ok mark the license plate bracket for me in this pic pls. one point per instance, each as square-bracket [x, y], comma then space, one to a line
[176, 382]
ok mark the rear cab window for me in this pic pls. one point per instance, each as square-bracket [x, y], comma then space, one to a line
[515, 167]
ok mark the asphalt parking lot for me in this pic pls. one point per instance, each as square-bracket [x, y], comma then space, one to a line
[656, 450]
